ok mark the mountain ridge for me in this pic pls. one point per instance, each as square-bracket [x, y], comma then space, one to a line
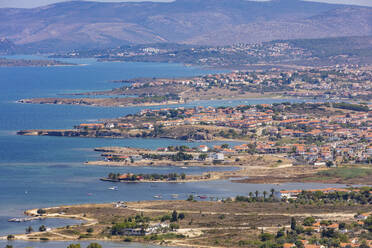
[79, 24]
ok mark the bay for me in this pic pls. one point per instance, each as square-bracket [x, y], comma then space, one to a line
[40, 172]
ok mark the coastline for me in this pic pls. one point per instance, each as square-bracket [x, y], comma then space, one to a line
[227, 216]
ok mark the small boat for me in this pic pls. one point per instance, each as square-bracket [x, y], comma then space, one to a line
[202, 196]
[157, 196]
[183, 167]
[90, 194]
[174, 196]
[113, 188]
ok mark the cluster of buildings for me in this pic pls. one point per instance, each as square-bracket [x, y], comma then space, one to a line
[343, 137]
[271, 129]
[337, 83]
[151, 229]
[347, 82]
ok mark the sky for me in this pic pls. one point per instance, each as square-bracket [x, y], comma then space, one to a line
[37, 3]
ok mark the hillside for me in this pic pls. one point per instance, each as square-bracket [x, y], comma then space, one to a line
[210, 22]
[6, 46]
[355, 50]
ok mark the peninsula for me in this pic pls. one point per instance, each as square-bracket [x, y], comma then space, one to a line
[4, 62]
[347, 83]
[263, 219]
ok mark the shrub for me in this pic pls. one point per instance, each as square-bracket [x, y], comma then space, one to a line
[10, 237]
[41, 211]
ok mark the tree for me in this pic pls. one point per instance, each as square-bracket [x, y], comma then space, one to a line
[41, 211]
[174, 216]
[224, 146]
[280, 233]
[174, 226]
[10, 237]
[90, 230]
[29, 229]
[368, 223]
[264, 194]
[250, 195]
[42, 228]
[329, 163]
[74, 246]
[8, 246]
[181, 216]
[266, 236]
[364, 244]
[272, 192]
[299, 244]
[190, 198]
[256, 193]
[293, 223]
[309, 221]
[94, 245]
[203, 156]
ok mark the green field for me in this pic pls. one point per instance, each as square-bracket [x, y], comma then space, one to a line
[345, 173]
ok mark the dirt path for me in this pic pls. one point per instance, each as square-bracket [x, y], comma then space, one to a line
[338, 216]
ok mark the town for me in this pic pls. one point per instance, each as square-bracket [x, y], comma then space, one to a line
[350, 83]
[313, 133]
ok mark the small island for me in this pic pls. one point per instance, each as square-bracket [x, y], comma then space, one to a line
[151, 178]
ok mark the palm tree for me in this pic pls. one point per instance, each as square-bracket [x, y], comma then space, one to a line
[272, 192]
[250, 195]
[29, 229]
[264, 194]
[256, 193]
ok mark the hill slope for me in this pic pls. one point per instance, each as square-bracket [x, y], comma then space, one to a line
[214, 22]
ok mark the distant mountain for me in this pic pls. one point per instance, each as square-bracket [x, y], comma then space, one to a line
[6, 46]
[80, 24]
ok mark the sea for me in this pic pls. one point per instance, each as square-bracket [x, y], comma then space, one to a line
[37, 172]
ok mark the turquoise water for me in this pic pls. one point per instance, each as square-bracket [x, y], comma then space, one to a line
[48, 171]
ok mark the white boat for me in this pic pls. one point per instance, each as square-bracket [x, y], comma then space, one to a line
[113, 188]
[174, 196]
[157, 196]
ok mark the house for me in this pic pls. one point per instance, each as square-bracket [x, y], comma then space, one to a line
[134, 232]
[363, 216]
[318, 163]
[218, 156]
[289, 194]
[136, 158]
[314, 246]
[158, 228]
[203, 148]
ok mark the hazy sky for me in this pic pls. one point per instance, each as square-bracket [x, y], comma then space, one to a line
[36, 3]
